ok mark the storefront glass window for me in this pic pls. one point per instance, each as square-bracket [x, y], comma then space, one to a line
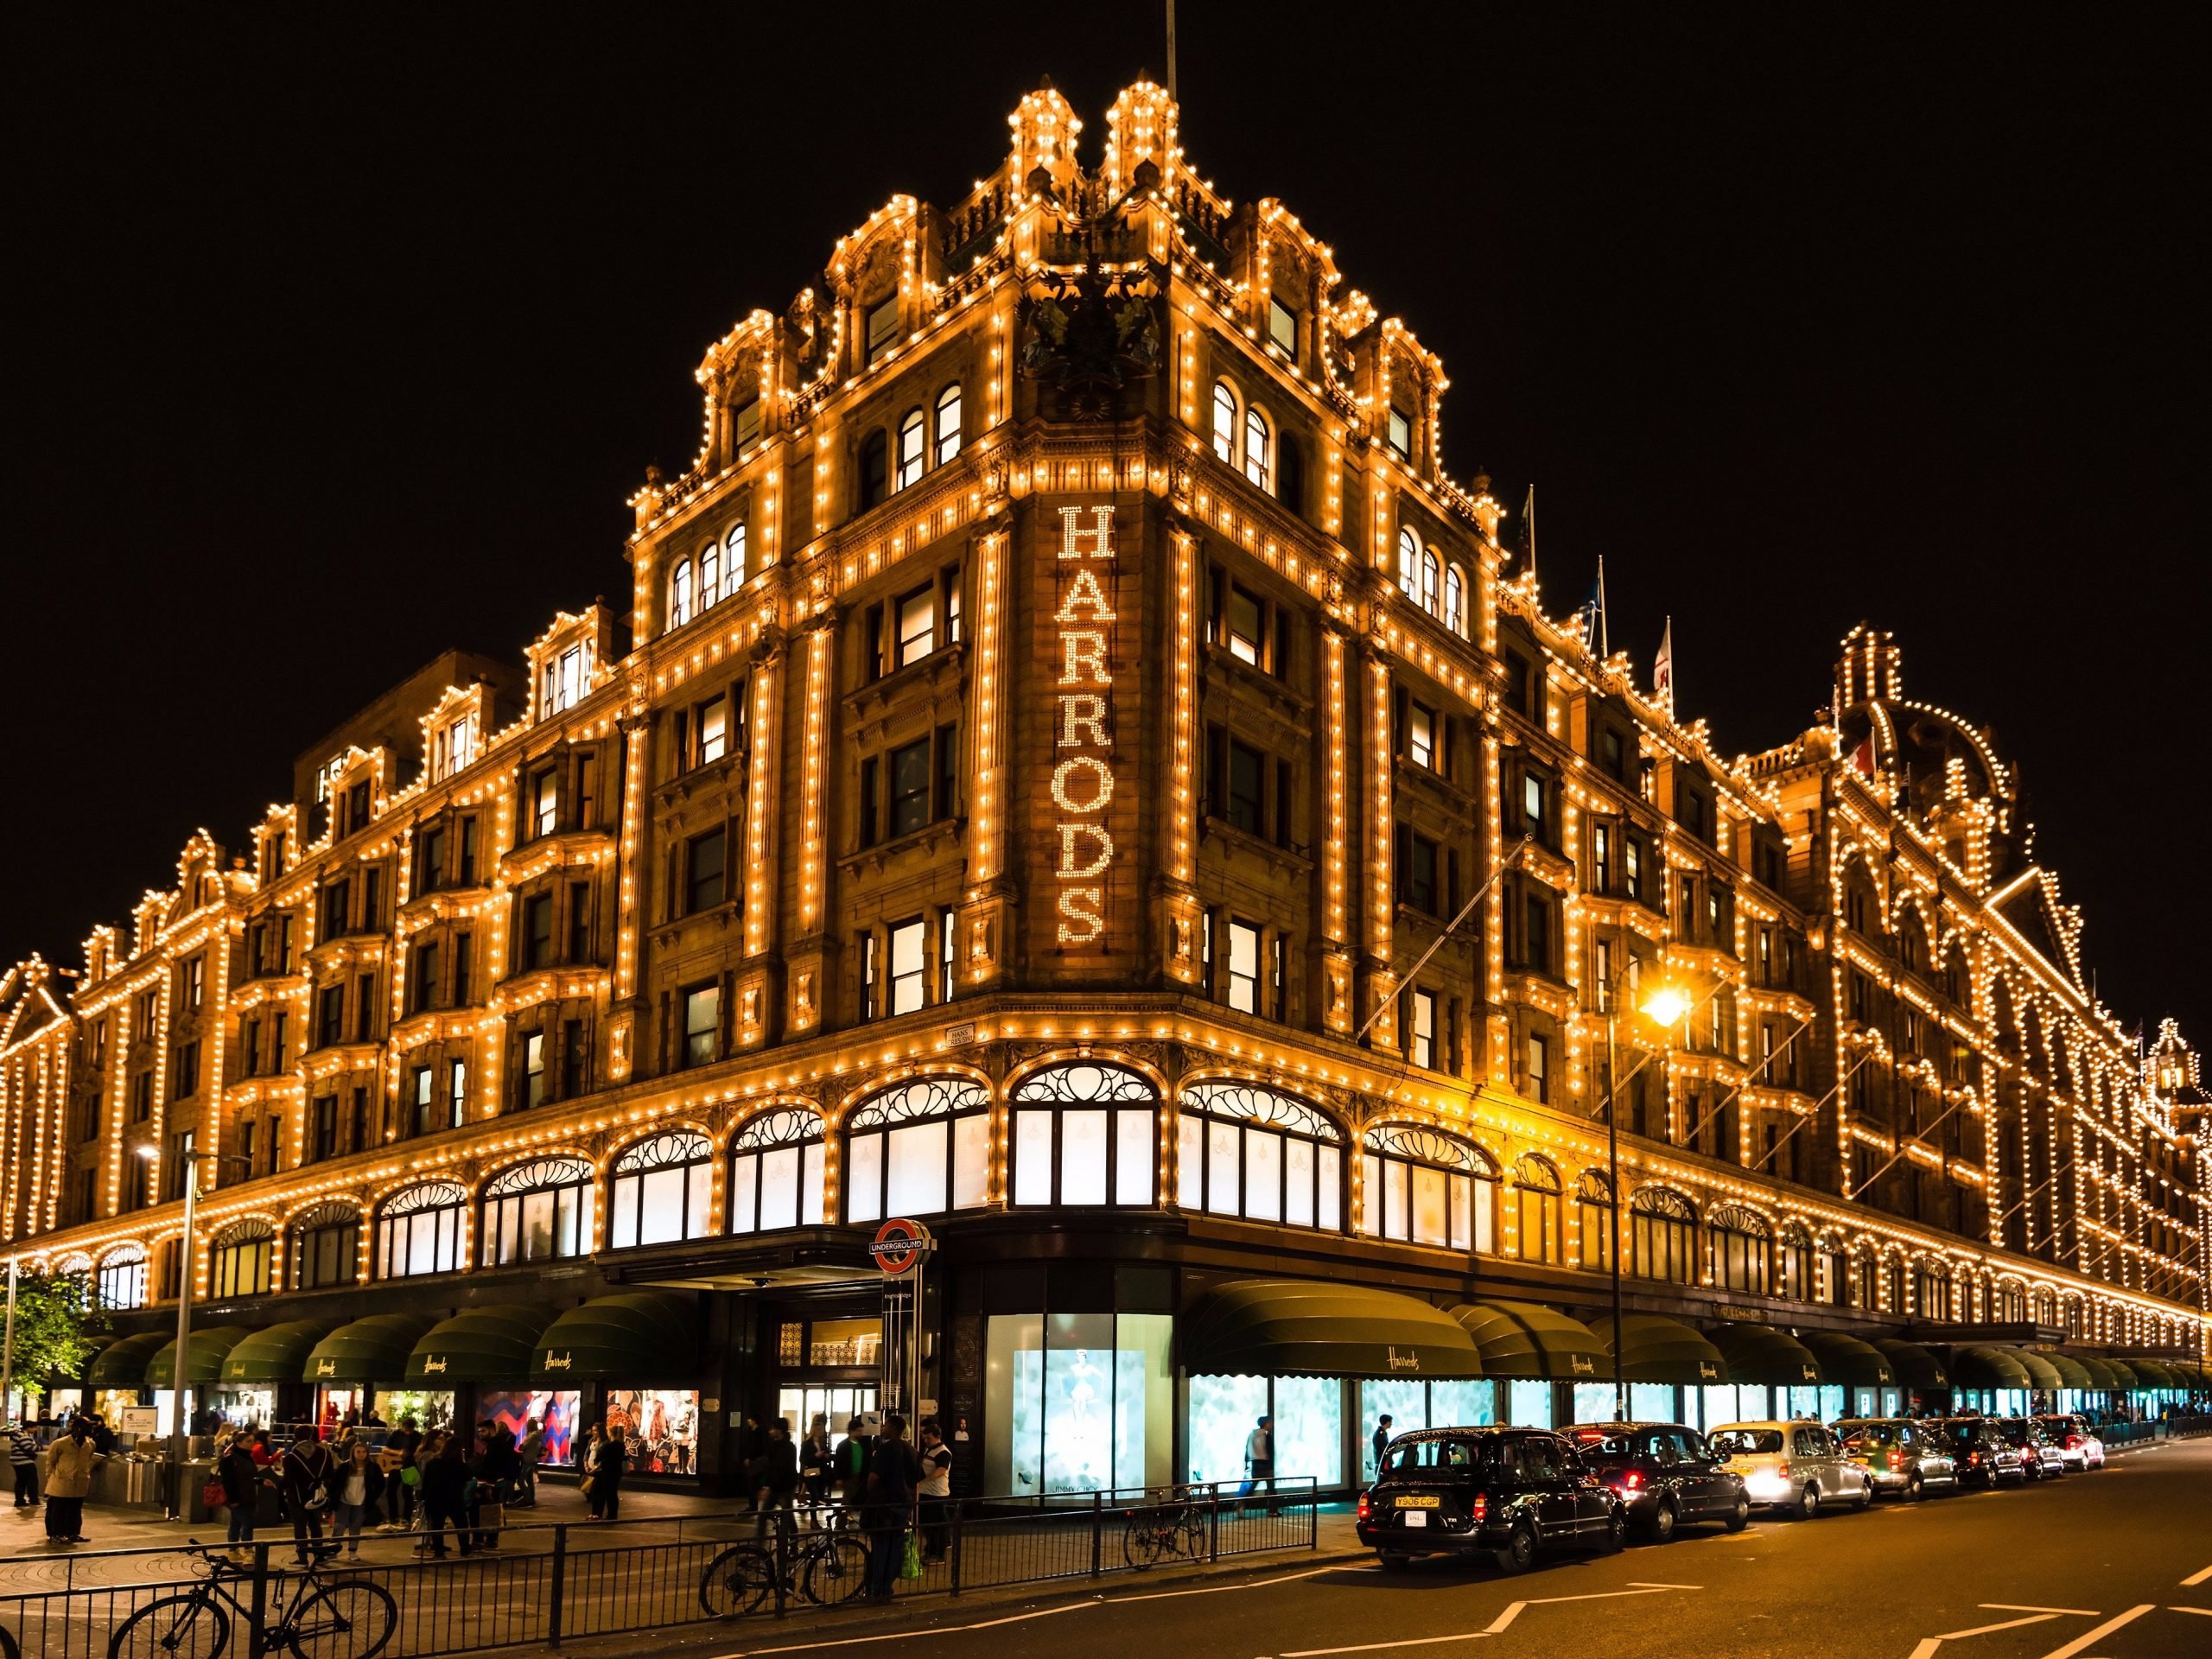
[1407, 1402]
[1651, 1402]
[1720, 1407]
[1309, 1425]
[554, 1409]
[1530, 1406]
[538, 1211]
[1804, 1403]
[839, 1403]
[1471, 1404]
[244, 1408]
[1831, 1406]
[1083, 1402]
[662, 1426]
[1427, 1188]
[430, 1407]
[419, 1231]
[1224, 1411]
[1595, 1403]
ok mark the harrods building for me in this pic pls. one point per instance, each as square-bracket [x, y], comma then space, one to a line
[1056, 723]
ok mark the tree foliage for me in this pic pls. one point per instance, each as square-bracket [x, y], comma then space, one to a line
[58, 1323]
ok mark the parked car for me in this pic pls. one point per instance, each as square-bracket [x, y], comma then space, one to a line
[1509, 1493]
[1795, 1467]
[2039, 1451]
[1907, 1457]
[1981, 1456]
[2077, 1441]
[1665, 1473]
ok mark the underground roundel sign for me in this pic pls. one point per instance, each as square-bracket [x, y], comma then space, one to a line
[900, 1243]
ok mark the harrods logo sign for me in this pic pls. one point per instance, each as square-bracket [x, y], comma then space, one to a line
[1083, 724]
[1407, 1361]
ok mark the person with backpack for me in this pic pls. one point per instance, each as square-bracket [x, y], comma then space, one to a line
[894, 1471]
[23, 1459]
[303, 1478]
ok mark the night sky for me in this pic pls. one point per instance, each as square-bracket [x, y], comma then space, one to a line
[342, 333]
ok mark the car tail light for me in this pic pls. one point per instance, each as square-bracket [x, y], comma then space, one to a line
[1782, 1468]
[1897, 1460]
[1634, 1482]
[1481, 1508]
[2073, 1439]
[1972, 1456]
[1362, 1506]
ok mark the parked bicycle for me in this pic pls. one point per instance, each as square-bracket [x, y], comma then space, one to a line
[337, 1616]
[1158, 1532]
[826, 1563]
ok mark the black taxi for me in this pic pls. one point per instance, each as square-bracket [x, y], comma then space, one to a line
[1507, 1493]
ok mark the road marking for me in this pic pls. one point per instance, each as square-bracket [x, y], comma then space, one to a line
[2102, 1631]
[1496, 1627]
[1929, 1643]
[2195, 1578]
[2021, 1608]
[1247, 1584]
[903, 1636]
[2206, 1612]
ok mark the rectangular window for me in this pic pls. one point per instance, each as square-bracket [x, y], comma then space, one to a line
[538, 930]
[1516, 682]
[1248, 772]
[196, 983]
[1400, 433]
[337, 901]
[1421, 735]
[371, 897]
[1282, 326]
[1614, 754]
[1536, 936]
[365, 1008]
[330, 1016]
[545, 796]
[946, 922]
[1422, 1048]
[578, 921]
[948, 772]
[1601, 963]
[705, 887]
[907, 966]
[871, 805]
[572, 1058]
[326, 1128]
[747, 423]
[587, 791]
[425, 1116]
[1532, 804]
[1540, 1069]
[533, 1069]
[871, 977]
[188, 1069]
[883, 328]
[1244, 967]
[357, 808]
[703, 1015]
[466, 873]
[460, 995]
[711, 721]
[1632, 866]
[910, 787]
[456, 1093]
[1417, 871]
[429, 859]
[917, 626]
[1601, 858]
[1242, 626]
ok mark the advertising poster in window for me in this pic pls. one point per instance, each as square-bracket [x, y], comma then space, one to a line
[662, 1427]
[554, 1410]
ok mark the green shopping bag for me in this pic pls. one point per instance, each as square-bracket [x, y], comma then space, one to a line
[911, 1567]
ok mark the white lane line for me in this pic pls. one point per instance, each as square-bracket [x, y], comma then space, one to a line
[904, 1636]
[2022, 1607]
[2206, 1612]
[1249, 1584]
[2195, 1578]
[2101, 1632]
[1929, 1643]
[1496, 1627]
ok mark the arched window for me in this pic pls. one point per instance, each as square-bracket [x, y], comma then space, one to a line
[919, 1149]
[1593, 1208]
[1862, 1277]
[679, 593]
[2043, 1307]
[1931, 1290]
[1432, 574]
[1742, 1255]
[1409, 564]
[948, 423]
[871, 480]
[1893, 1285]
[1224, 422]
[913, 448]
[1536, 1210]
[1796, 1256]
[1085, 1135]
[1455, 600]
[121, 1281]
[324, 1245]
[538, 1211]
[1426, 1188]
[1256, 435]
[239, 1260]
[418, 1230]
[710, 576]
[734, 555]
[662, 1186]
[1662, 1236]
[1247, 1151]
[1835, 1271]
[775, 1173]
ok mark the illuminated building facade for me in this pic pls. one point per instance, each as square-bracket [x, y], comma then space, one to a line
[1057, 721]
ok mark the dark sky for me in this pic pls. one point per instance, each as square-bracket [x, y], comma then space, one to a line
[343, 332]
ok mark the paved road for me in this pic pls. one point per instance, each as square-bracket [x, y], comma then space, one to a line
[2095, 1566]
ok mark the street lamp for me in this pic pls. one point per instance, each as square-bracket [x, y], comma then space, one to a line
[177, 1425]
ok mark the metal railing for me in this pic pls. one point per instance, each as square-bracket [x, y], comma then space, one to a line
[544, 1584]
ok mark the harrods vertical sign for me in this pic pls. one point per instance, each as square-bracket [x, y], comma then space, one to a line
[1086, 783]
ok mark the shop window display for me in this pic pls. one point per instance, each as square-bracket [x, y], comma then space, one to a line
[1651, 1402]
[1530, 1404]
[1309, 1425]
[430, 1407]
[554, 1409]
[1595, 1403]
[662, 1425]
[1083, 1402]
[800, 1405]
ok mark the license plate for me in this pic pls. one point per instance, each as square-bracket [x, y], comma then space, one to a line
[1421, 1501]
[1414, 1518]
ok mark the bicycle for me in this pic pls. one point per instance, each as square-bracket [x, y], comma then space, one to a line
[1175, 1526]
[326, 1618]
[827, 1565]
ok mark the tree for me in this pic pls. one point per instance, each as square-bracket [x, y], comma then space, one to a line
[57, 1322]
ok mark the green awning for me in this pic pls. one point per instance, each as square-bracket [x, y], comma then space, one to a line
[1759, 1353]
[2151, 1374]
[1986, 1367]
[208, 1351]
[1530, 1340]
[1848, 1363]
[121, 1364]
[2100, 1376]
[2072, 1373]
[481, 1344]
[1655, 1349]
[1915, 1367]
[1303, 1327]
[2123, 1374]
[274, 1355]
[372, 1350]
[640, 1336]
[2042, 1373]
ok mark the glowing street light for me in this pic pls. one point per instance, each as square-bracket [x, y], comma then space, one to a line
[1666, 1005]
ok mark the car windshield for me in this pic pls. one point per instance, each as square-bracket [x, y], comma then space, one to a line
[1746, 1442]
[1418, 1457]
[1872, 1434]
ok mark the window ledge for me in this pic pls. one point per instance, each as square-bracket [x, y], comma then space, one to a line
[564, 845]
[873, 860]
[949, 660]
[1274, 687]
[728, 772]
[724, 916]
[1284, 858]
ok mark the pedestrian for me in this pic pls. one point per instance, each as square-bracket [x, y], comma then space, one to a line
[935, 1490]
[814, 1458]
[1382, 1439]
[360, 1485]
[752, 1452]
[69, 1464]
[492, 1476]
[444, 1493]
[587, 1470]
[528, 1455]
[401, 1476]
[776, 1476]
[241, 1478]
[303, 1479]
[849, 1470]
[23, 1459]
[612, 1463]
[1259, 1456]
[892, 1473]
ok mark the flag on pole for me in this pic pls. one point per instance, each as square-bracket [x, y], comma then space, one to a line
[1862, 758]
[1662, 671]
[1591, 617]
[1529, 532]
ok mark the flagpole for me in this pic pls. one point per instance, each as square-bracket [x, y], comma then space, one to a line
[8, 1350]
[1529, 519]
[1604, 634]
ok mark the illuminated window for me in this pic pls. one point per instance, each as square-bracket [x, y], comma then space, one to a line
[1742, 1258]
[679, 593]
[1224, 422]
[917, 626]
[703, 1019]
[736, 568]
[1540, 1069]
[920, 1149]
[1282, 326]
[710, 720]
[546, 813]
[121, 1281]
[883, 328]
[948, 423]
[1421, 735]
[661, 1187]
[1536, 1210]
[1399, 434]
[1593, 1204]
[1663, 1230]
[711, 574]
[1420, 1029]
[1085, 1134]
[1256, 447]
[538, 1211]
[1424, 1187]
[775, 1173]
[1432, 570]
[1455, 600]
[418, 1230]
[323, 1245]
[749, 424]
[909, 973]
[1409, 564]
[239, 1260]
[1243, 1150]
[1244, 967]
[533, 1069]
[1241, 625]
[913, 448]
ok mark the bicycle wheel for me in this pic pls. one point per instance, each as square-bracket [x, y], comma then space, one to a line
[1142, 1542]
[172, 1627]
[836, 1570]
[350, 1620]
[737, 1581]
[1191, 1534]
[8, 1648]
